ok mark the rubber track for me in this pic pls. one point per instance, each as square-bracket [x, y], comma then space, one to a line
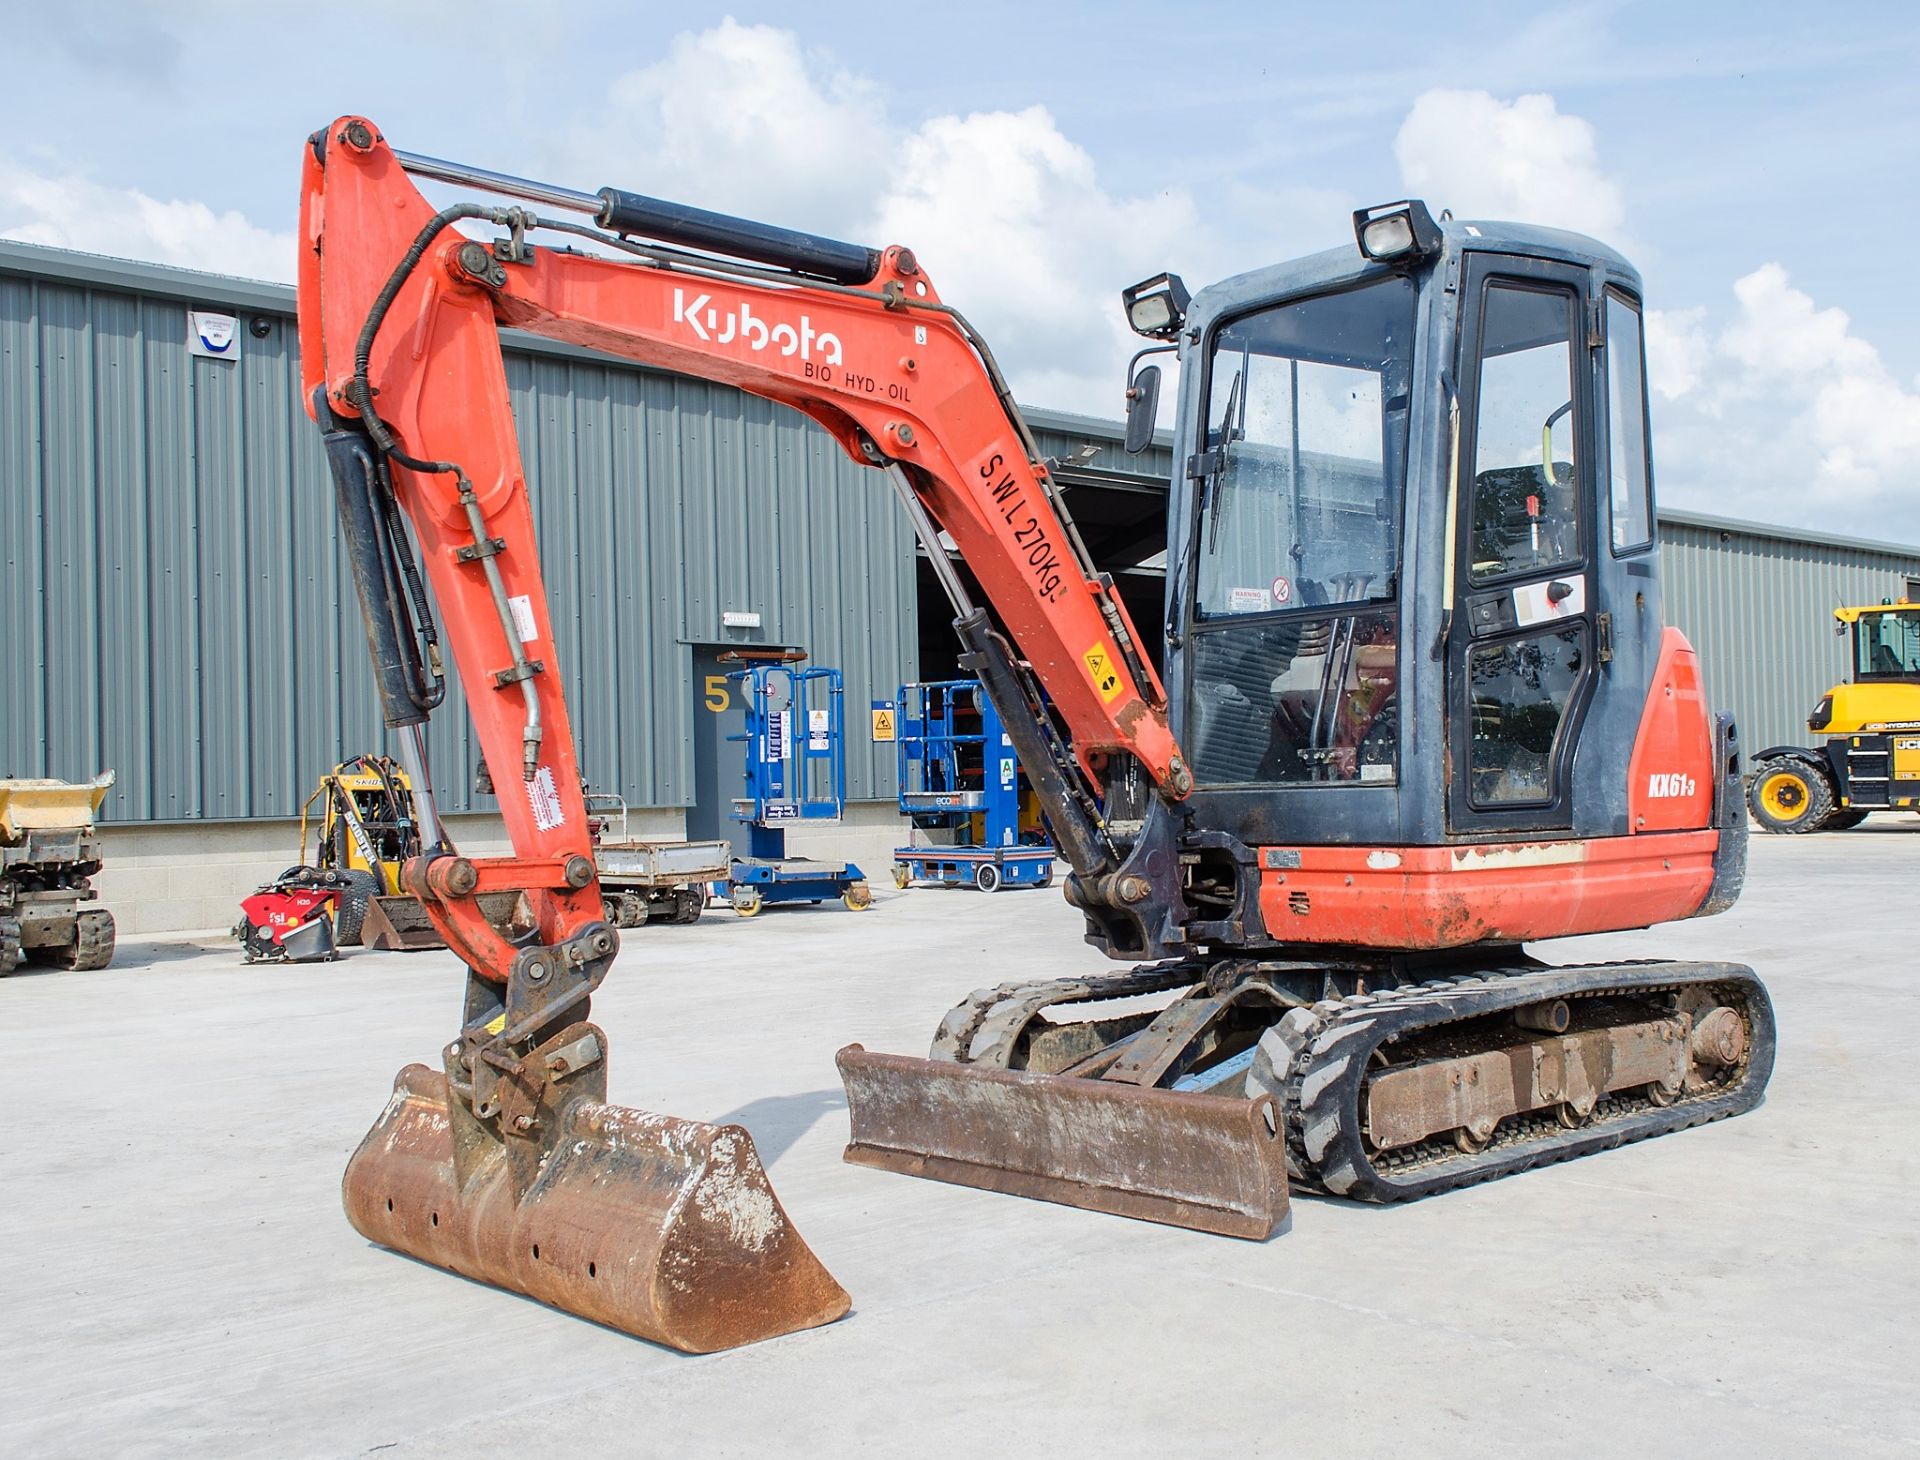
[1321, 1100]
[93, 939]
[955, 1037]
[10, 954]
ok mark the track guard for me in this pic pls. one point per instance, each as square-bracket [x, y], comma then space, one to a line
[664, 1228]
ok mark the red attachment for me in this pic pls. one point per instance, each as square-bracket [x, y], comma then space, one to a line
[279, 912]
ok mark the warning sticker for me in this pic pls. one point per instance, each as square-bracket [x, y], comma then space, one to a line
[545, 800]
[1247, 600]
[1282, 592]
[1106, 678]
[882, 720]
[522, 607]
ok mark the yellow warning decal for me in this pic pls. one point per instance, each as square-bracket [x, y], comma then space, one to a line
[1106, 677]
[498, 1023]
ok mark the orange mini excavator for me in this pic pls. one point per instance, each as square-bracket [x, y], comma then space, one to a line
[1419, 710]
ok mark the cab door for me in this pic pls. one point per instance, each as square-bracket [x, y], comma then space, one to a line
[1521, 661]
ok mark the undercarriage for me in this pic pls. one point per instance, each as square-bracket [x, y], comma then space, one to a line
[1380, 1080]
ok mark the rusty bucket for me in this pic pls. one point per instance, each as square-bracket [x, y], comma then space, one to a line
[1189, 1160]
[662, 1227]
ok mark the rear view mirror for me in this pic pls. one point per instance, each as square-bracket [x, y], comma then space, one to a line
[1143, 408]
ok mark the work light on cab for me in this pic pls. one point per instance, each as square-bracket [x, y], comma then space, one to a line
[1156, 307]
[1395, 232]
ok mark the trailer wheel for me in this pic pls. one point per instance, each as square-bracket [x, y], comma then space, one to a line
[902, 876]
[858, 896]
[986, 877]
[1789, 796]
[747, 901]
[358, 890]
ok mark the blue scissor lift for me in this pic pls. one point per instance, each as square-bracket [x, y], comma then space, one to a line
[958, 773]
[796, 772]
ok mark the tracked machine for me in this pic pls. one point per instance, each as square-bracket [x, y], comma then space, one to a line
[1419, 710]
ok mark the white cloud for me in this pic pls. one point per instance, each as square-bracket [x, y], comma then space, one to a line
[740, 119]
[1522, 160]
[1678, 345]
[1008, 216]
[1787, 407]
[72, 211]
[1776, 409]
[1016, 229]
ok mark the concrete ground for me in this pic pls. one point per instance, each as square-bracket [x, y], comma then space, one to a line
[177, 1278]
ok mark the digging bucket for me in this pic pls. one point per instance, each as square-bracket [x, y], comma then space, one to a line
[664, 1228]
[1202, 1161]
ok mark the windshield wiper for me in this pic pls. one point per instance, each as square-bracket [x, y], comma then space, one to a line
[1232, 428]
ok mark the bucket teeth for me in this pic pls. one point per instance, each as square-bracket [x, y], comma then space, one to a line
[1189, 1160]
[664, 1228]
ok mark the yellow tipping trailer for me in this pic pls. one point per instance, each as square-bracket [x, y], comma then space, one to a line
[48, 856]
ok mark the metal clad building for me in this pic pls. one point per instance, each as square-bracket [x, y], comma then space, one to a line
[1757, 602]
[176, 606]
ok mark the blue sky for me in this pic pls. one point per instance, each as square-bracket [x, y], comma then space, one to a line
[1756, 161]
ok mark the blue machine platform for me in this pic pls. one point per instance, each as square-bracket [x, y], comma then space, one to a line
[958, 774]
[796, 772]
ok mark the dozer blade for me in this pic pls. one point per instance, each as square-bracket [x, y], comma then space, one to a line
[664, 1228]
[398, 925]
[1188, 1160]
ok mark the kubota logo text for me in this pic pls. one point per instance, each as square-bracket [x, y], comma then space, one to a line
[708, 323]
[1663, 784]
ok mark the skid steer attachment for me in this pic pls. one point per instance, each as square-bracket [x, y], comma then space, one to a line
[661, 1227]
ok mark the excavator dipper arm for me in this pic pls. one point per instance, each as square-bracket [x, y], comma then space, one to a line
[510, 1152]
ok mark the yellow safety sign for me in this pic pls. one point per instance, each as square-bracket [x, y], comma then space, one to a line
[1106, 678]
[882, 725]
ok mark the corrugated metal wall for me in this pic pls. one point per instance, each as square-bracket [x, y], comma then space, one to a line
[1758, 606]
[175, 604]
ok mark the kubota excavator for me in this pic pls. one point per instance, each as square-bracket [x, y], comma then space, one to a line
[1419, 710]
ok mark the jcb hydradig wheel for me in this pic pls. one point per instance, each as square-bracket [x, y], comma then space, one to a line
[1790, 796]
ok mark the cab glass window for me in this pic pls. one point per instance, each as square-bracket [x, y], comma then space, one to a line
[1888, 644]
[1631, 479]
[1526, 505]
[1305, 452]
[1519, 696]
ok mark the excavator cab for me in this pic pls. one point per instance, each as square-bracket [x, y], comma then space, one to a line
[1413, 595]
